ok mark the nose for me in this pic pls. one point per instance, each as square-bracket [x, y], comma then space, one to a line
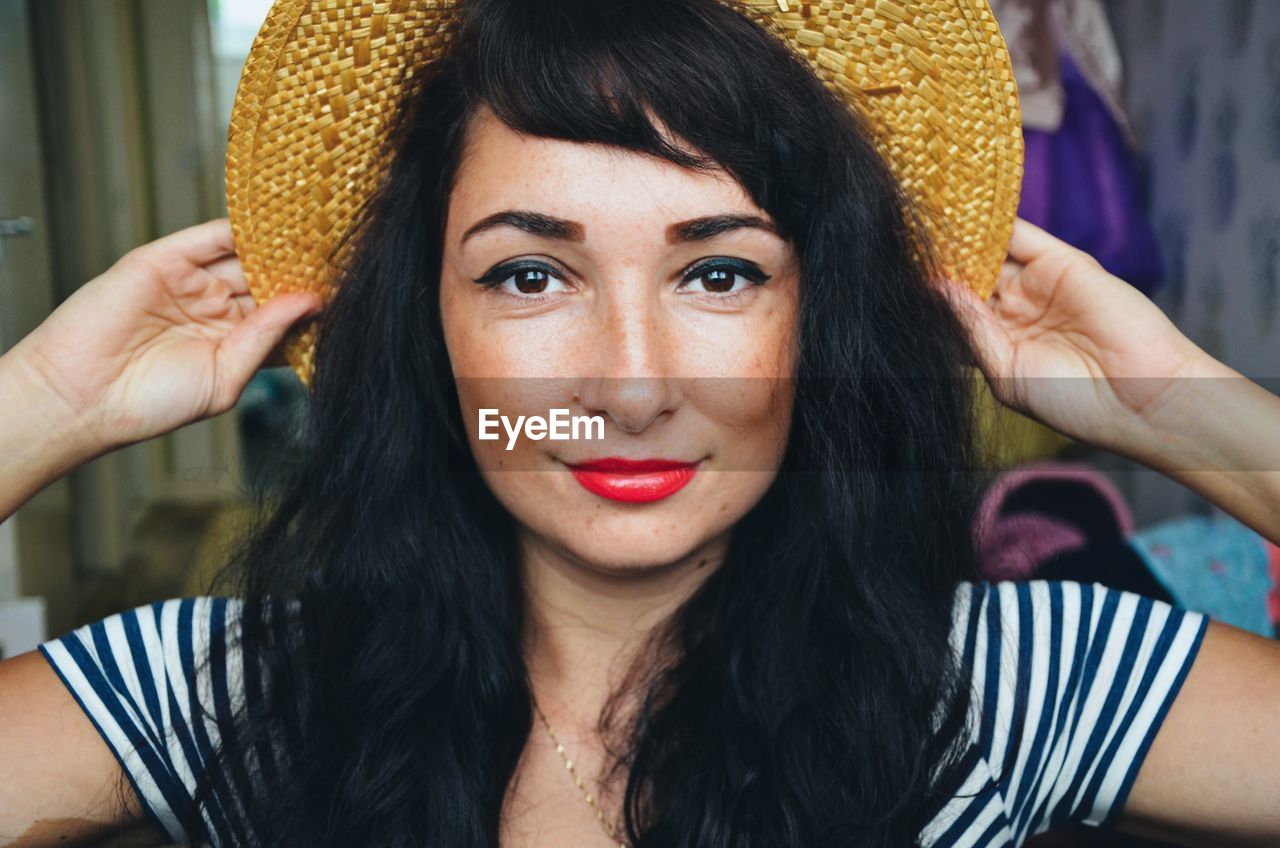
[630, 381]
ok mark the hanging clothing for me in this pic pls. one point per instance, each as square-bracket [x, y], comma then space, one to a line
[1037, 32]
[1030, 514]
[1081, 179]
[1081, 184]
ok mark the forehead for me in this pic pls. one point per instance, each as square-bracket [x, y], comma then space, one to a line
[593, 183]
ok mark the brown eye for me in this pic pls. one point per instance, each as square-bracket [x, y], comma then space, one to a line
[531, 280]
[720, 277]
[717, 280]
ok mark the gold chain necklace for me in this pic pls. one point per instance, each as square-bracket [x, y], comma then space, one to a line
[609, 827]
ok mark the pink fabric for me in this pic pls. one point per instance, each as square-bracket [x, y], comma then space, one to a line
[1012, 544]
[1273, 597]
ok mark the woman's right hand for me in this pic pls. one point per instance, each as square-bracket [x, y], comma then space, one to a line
[167, 336]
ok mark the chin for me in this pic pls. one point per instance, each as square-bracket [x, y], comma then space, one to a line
[627, 538]
[611, 540]
[631, 555]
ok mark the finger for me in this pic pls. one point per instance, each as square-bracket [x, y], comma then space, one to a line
[247, 347]
[228, 270]
[244, 304]
[1029, 242]
[988, 339]
[1008, 272]
[201, 244]
[276, 358]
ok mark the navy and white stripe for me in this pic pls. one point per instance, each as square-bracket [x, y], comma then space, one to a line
[1070, 684]
[157, 683]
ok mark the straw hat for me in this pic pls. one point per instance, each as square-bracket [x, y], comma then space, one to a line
[323, 78]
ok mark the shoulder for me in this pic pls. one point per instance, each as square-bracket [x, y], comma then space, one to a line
[159, 682]
[56, 773]
[1070, 682]
[1038, 619]
[142, 653]
[1046, 639]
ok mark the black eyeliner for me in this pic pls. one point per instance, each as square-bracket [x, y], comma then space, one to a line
[749, 270]
[500, 273]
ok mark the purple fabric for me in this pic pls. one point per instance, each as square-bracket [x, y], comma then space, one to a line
[1081, 185]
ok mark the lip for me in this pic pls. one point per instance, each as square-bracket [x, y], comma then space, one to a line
[633, 480]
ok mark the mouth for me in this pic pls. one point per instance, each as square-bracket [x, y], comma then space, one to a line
[633, 480]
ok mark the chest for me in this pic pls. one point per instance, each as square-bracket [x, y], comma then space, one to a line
[546, 809]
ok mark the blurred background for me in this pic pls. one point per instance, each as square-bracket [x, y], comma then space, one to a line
[1153, 137]
[113, 121]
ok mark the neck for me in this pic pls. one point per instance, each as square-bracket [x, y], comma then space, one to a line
[586, 624]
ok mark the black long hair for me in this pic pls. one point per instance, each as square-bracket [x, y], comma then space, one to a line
[812, 696]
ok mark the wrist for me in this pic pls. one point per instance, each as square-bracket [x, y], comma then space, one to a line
[1204, 421]
[38, 429]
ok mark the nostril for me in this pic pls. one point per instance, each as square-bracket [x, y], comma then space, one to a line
[628, 429]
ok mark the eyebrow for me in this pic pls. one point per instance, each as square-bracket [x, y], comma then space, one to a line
[548, 226]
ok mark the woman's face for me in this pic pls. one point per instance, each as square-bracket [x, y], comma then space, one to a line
[628, 288]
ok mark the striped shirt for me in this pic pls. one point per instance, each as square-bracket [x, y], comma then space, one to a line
[1071, 681]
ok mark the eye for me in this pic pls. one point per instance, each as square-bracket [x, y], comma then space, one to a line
[723, 278]
[526, 281]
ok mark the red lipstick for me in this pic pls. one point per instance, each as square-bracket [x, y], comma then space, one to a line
[633, 480]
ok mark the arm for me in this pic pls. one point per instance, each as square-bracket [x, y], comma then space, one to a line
[39, 441]
[1220, 437]
[1083, 352]
[168, 336]
[59, 782]
[1212, 775]
[1070, 345]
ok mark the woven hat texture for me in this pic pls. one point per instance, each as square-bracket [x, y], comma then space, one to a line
[932, 77]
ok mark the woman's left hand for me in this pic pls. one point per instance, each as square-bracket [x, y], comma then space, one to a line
[1074, 347]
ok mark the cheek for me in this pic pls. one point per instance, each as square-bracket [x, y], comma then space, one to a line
[747, 389]
[750, 417]
[508, 367]
[472, 347]
[756, 344]
[537, 348]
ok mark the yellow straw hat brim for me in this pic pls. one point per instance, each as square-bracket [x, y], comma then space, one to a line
[323, 78]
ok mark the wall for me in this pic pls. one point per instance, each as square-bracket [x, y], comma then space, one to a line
[1203, 91]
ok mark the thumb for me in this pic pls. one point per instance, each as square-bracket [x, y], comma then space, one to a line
[246, 348]
[988, 339]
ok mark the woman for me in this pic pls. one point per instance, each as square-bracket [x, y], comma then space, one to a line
[772, 639]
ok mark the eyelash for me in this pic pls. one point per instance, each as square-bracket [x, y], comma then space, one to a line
[491, 280]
